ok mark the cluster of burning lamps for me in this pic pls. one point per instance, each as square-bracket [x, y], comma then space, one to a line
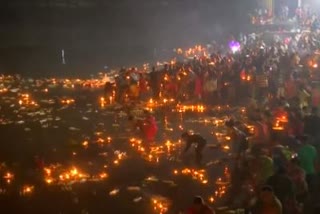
[196, 174]
[280, 123]
[313, 64]
[200, 175]
[8, 177]
[160, 205]
[99, 140]
[154, 152]
[103, 101]
[137, 144]
[191, 52]
[222, 186]
[246, 77]
[119, 157]
[25, 189]
[25, 100]
[72, 175]
[3, 90]
[71, 83]
[151, 104]
[192, 108]
[67, 101]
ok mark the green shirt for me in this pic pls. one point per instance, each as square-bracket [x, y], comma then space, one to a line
[307, 156]
[266, 168]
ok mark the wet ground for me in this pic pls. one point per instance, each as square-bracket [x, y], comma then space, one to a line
[94, 162]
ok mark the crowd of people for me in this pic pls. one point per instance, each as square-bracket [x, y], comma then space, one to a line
[277, 164]
[304, 15]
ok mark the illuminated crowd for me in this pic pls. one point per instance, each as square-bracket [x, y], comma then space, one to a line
[262, 99]
[277, 153]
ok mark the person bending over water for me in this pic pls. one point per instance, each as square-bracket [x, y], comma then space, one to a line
[198, 141]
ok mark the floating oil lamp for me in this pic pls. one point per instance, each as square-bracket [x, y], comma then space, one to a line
[226, 147]
[211, 199]
[151, 102]
[85, 144]
[8, 177]
[27, 190]
[102, 102]
[49, 180]
[109, 139]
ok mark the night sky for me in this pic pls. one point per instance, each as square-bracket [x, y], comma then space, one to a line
[95, 31]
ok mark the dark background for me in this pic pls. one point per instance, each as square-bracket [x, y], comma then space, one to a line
[95, 33]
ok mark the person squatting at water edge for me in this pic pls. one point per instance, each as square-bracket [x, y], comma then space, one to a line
[197, 140]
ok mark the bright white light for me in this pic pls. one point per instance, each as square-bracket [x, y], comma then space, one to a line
[235, 49]
[234, 46]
